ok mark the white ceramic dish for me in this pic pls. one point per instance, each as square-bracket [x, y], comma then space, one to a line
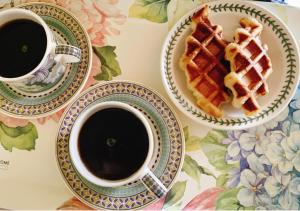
[283, 51]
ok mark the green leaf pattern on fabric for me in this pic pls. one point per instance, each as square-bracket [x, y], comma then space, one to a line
[175, 195]
[192, 143]
[227, 200]
[161, 11]
[178, 8]
[152, 10]
[214, 150]
[194, 170]
[186, 133]
[109, 65]
[222, 180]
[22, 138]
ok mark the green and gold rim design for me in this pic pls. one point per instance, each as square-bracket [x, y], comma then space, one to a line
[167, 159]
[21, 105]
[291, 76]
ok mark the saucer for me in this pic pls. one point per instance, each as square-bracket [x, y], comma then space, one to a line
[39, 99]
[167, 158]
[283, 51]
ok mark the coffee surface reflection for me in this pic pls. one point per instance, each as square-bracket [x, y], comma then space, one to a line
[23, 44]
[113, 143]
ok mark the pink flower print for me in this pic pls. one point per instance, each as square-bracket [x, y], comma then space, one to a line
[55, 117]
[74, 204]
[13, 122]
[99, 17]
[157, 205]
[205, 200]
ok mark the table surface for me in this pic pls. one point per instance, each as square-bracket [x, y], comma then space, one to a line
[29, 179]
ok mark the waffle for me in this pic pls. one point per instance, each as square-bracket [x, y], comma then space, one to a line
[203, 65]
[250, 66]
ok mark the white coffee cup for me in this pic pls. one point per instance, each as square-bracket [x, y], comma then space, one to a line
[143, 173]
[53, 52]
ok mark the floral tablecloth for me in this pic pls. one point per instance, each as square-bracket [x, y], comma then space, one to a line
[254, 168]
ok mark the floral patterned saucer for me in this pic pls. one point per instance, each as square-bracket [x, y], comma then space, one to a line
[168, 155]
[44, 99]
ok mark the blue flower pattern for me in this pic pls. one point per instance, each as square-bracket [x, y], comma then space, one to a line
[268, 160]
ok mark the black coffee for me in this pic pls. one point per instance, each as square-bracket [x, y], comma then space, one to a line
[113, 144]
[22, 46]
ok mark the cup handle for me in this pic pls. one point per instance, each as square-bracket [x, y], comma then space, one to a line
[153, 184]
[71, 54]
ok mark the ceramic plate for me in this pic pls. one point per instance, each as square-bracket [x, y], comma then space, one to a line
[43, 99]
[168, 155]
[283, 52]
